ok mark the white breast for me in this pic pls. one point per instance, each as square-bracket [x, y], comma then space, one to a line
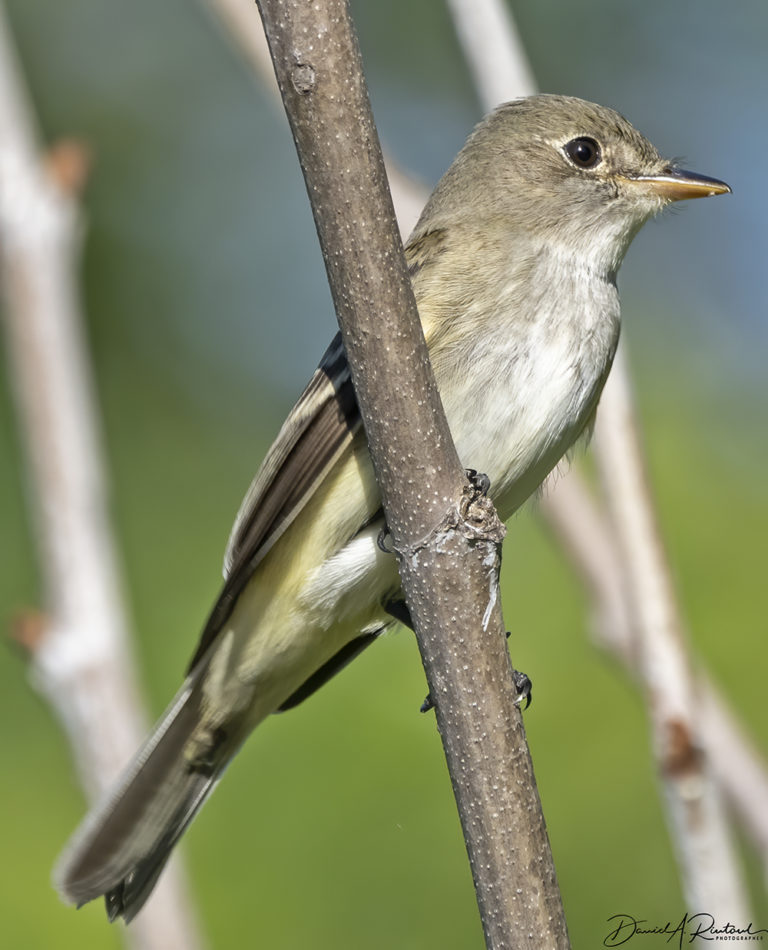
[526, 385]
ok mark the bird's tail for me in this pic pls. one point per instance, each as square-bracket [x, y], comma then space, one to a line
[122, 847]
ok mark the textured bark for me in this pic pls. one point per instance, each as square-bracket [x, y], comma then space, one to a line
[447, 539]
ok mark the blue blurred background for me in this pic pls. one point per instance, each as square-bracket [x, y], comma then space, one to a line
[208, 309]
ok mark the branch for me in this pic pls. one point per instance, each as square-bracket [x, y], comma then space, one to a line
[238, 17]
[446, 580]
[80, 656]
[493, 50]
[699, 826]
[588, 540]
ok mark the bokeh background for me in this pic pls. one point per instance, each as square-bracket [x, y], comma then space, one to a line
[207, 311]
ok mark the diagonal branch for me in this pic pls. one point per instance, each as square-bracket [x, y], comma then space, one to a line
[590, 543]
[699, 827]
[446, 579]
[80, 655]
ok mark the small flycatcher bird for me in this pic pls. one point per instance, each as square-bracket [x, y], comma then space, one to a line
[513, 264]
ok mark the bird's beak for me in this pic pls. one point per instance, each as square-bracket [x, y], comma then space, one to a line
[674, 184]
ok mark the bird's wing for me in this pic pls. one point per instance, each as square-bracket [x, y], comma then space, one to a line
[321, 425]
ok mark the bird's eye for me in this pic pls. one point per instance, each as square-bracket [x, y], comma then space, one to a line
[583, 152]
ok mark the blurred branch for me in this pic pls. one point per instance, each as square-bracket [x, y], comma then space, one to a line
[244, 31]
[699, 827]
[447, 540]
[493, 49]
[592, 546]
[737, 764]
[79, 652]
[583, 532]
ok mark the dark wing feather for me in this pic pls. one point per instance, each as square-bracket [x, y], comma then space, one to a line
[320, 426]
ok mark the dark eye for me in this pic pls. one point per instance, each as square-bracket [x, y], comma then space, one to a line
[583, 152]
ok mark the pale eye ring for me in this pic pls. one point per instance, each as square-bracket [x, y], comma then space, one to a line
[584, 152]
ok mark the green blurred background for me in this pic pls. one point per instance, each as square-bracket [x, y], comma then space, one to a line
[208, 309]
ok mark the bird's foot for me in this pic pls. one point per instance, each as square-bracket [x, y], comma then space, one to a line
[479, 481]
[381, 541]
[524, 688]
[523, 685]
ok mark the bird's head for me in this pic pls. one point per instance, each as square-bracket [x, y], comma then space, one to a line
[561, 171]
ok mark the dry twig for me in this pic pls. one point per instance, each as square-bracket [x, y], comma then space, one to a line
[80, 655]
[699, 827]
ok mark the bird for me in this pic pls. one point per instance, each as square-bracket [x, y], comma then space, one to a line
[513, 264]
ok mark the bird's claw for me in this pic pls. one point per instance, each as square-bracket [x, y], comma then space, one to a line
[523, 686]
[522, 682]
[479, 481]
[381, 541]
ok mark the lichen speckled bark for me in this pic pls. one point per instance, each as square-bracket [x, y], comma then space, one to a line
[447, 542]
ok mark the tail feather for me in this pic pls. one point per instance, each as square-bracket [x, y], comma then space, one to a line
[122, 847]
[128, 897]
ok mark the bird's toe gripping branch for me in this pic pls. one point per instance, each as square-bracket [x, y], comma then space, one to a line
[478, 480]
[524, 687]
